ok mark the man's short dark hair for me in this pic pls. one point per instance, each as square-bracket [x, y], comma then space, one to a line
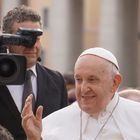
[19, 14]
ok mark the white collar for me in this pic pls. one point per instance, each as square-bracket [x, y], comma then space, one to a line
[33, 68]
[112, 103]
[110, 107]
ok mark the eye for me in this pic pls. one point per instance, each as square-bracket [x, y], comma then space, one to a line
[93, 79]
[78, 80]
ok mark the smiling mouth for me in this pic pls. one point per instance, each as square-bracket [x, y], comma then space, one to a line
[88, 97]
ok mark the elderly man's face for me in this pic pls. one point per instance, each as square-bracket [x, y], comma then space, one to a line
[94, 83]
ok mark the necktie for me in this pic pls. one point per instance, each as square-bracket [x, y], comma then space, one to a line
[28, 89]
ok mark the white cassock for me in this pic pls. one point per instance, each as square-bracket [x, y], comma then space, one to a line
[122, 124]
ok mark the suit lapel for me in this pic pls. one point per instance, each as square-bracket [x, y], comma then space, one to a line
[42, 86]
[44, 89]
[6, 97]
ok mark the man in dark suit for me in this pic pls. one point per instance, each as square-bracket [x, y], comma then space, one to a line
[48, 85]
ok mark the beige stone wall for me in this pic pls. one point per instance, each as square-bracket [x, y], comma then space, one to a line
[91, 23]
[39, 4]
[138, 58]
[0, 10]
[91, 17]
[39, 7]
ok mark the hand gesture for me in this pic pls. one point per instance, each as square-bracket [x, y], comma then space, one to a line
[32, 124]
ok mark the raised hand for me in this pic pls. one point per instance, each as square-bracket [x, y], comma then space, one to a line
[32, 124]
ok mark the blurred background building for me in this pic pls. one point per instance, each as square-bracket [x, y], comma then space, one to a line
[73, 25]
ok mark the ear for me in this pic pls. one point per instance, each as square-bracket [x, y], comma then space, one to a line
[116, 82]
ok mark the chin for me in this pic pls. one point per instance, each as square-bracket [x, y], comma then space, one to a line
[86, 108]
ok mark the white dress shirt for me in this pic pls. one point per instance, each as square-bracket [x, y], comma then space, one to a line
[16, 91]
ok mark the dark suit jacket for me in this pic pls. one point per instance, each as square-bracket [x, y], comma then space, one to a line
[51, 93]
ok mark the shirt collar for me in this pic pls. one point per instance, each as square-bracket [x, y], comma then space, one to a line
[33, 68]
[112, 103]
[110, 107]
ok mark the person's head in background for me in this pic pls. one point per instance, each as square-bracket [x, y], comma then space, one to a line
[5, 134]
[71, 96]
[130, 93]
[69, 80]
[97, 79]
[70, 85]
[25, 17]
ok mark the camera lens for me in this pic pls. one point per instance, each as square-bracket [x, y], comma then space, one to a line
[7, 67]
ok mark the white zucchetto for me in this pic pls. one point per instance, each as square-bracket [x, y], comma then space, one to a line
[103, 53]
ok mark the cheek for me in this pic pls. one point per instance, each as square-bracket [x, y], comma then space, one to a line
[38, 50]
[16, 49]
[101, 92]
[77, 92]
[105, 97]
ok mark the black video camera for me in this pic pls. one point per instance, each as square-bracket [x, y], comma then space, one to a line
[24, 37]
[13, 66]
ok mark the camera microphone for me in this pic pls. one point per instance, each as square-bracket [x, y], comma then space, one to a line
[39, 59]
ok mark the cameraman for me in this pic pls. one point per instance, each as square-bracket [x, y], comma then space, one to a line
[48, 85]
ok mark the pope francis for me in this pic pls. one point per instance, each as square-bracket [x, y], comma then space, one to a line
[98, 114]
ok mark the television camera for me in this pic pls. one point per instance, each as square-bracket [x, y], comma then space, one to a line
[13, 66]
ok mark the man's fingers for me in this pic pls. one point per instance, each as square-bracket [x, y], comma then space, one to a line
[27, 109]
[25, 119]
[39, 113]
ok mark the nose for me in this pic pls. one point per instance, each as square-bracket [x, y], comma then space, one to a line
[37, 43]
[85, 87]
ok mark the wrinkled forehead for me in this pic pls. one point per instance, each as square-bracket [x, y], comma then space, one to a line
[88, 66]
